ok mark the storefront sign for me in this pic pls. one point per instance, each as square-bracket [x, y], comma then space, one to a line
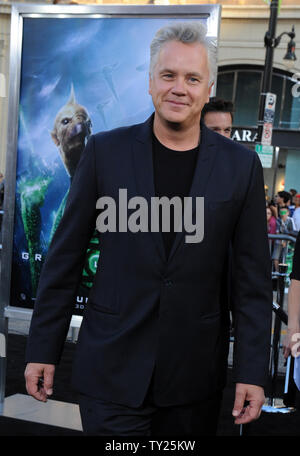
[244, 135]
[265, 154]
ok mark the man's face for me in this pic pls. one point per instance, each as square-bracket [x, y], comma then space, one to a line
[220, 122]
[180, 83]
[280, 200]
[284, 213]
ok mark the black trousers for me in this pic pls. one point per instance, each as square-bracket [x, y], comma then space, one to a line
[107, 419]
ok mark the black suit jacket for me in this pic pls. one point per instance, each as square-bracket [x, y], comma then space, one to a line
[152, 317]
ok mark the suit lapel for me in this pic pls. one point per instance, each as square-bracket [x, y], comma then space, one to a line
[204, 166]
[144, 174]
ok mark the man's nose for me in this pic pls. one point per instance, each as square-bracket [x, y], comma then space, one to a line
[179, 86]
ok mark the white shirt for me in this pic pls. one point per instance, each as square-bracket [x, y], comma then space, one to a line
[296, 218]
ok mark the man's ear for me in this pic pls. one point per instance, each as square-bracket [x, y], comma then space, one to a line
[209, 91]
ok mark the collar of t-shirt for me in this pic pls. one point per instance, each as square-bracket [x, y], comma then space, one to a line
[173, 176]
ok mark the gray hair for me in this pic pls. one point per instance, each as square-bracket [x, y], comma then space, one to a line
[185, 32]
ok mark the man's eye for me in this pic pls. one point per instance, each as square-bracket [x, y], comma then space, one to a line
[193, 80]
[167, 75]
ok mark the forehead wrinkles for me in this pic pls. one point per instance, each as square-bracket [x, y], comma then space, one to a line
[190, 58]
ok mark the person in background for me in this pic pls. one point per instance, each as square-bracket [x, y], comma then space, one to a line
[293, 329]
[271, 220]
[217, 115]
[291, 206]
[285, 225]
[273, 205]
[284, 200]
[296, 214]
[293, 192]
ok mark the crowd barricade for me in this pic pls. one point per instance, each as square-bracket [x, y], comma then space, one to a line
[281, 282]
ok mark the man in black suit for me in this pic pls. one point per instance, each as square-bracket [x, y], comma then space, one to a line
[151, 356]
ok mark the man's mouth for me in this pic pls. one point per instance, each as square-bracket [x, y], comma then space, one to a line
[177, 103]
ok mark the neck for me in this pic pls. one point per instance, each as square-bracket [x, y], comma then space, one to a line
[176, 136]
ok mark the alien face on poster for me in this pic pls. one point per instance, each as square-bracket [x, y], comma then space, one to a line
[79, 76]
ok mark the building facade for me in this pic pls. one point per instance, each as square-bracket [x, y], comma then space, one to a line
[241, 58]
[240, 70]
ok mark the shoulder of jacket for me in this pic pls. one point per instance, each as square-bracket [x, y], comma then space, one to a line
[112, 135]
[238, 148]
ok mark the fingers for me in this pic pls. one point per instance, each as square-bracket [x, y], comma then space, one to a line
[286, 352]
[290, 346]
[48, 379]
[39, 380]
[32, 376]
[238, 407]
[254, 395]
[286, 347]
[249, 413]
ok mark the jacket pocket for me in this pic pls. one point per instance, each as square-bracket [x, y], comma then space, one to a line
[111, 308]
[104, 296]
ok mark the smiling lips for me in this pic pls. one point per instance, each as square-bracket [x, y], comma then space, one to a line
[176, 103]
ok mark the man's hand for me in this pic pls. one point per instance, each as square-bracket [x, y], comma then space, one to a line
[39, 380]
[290, 340]
[254, 395]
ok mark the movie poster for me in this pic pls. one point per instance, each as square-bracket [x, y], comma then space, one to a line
[79, 76]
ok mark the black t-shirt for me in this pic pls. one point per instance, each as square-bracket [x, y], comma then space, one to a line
[173, 175]
[295, 274]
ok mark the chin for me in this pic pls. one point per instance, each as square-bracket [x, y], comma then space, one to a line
[173, 117]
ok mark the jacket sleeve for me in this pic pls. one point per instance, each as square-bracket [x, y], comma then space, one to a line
[63, 265]
[252, 285]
